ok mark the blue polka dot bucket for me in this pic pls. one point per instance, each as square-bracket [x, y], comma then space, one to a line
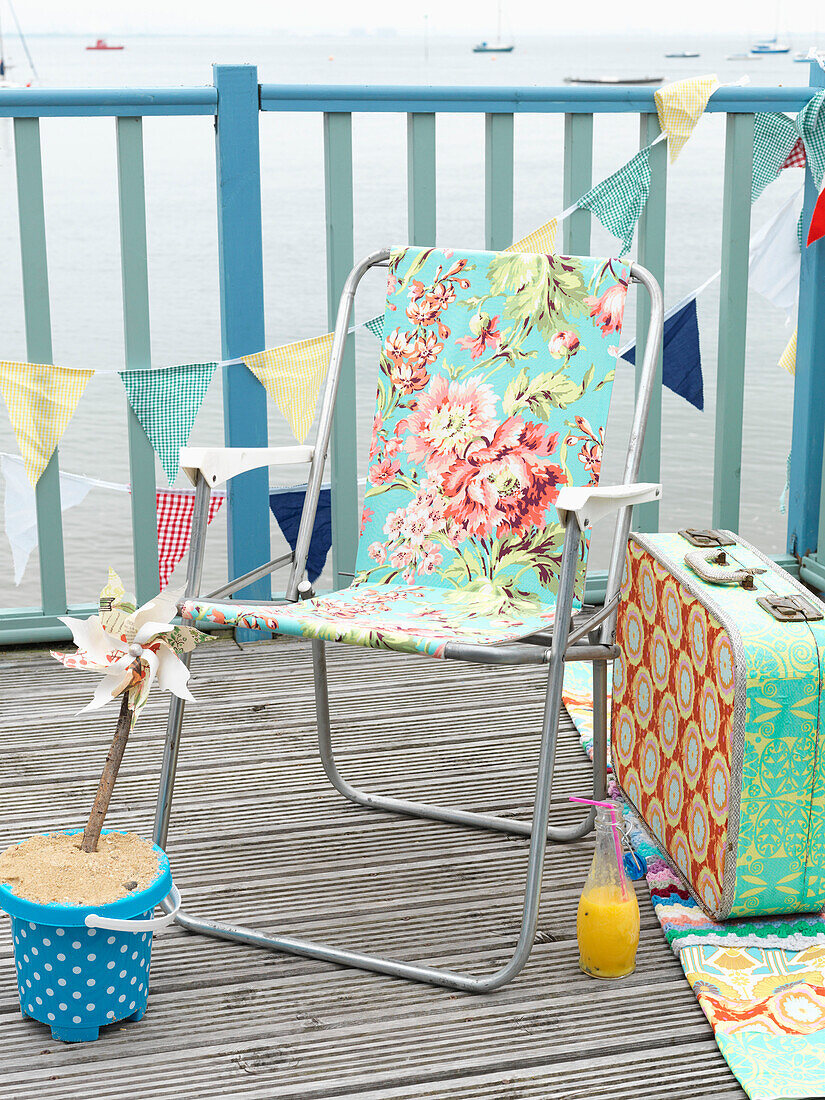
[80, 967]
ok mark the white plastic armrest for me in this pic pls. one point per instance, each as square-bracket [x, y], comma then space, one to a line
[592, 502]
[218, 464]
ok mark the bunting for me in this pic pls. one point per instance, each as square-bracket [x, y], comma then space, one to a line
[681, 354]
[817, 227]
[810, 124]
[775, 138]
[619, 200]
[292, 375]
[287, 506]
[787, 360]
[796, 158]
[680, 106]
[376, 326]
[542, 240]
[775, 254]
[166, 403]
[41, 400]
[175, 508]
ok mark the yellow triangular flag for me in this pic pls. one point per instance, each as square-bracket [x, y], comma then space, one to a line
[40, 399]
[542, 240]
[680, 106]
[788, 357]
[292, 375]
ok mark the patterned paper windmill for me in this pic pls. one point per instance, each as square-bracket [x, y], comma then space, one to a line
[132, 647]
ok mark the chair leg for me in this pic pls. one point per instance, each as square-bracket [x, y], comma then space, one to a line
[169, 767]
[426, 809]
[537, 831]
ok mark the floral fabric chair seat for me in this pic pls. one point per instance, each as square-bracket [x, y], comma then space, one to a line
[494, 388]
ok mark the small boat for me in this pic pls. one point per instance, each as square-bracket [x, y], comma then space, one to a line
[613, 79]
[102, 44]
[498, 46]
[683, 53]
[803, 57]
[740, 57]
[770, 45]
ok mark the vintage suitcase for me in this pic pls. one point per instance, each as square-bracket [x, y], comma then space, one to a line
[716, 720]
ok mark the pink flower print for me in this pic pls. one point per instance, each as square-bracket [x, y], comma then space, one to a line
[408, 576]
[447, 418]
[399, 345]
[383, 471]
[394, 522]
[401, 557]
[506, 485]
[376, 440]
[592, 446]
[563, 343]
[432, 559]
[392, 284]
[408, 376]
[609, 308]
[377, 551]
[393, 446]
[427, 349]
[484, 335]
[366, 517]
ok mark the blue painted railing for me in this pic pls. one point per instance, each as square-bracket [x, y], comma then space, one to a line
[235, 100]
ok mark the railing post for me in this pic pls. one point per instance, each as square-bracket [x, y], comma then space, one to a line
[498, 182]
[31, 214]
[577, 181]
[806, 513]
[343, 444]
[240, 259]
[651, 252]
[733, 321]
[135, 278]
[421, 178]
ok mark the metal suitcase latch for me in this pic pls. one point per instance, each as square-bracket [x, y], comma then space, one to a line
[706, 537]
[790, 609]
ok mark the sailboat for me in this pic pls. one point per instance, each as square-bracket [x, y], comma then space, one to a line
[4, 65]
[770, 45]
[498, 46]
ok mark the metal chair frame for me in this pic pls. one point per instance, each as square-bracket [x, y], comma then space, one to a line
[591, 640]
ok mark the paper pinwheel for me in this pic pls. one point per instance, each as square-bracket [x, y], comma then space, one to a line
[132, 647]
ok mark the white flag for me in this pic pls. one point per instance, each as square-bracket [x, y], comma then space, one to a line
[20, 508]
[775, 257]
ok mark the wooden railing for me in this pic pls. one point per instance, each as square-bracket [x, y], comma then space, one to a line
[235, 99]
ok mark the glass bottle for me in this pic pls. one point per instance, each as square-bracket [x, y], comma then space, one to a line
[607, 925]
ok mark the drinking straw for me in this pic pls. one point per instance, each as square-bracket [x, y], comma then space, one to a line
[614, 824]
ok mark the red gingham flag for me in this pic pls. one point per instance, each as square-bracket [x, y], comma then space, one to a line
[796, 157]
[175, 509]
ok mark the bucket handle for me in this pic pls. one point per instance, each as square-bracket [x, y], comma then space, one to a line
[95, 920]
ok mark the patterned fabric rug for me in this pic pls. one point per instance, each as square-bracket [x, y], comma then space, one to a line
[761, 983]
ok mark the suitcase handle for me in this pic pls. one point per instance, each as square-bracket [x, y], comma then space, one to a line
[698, 562]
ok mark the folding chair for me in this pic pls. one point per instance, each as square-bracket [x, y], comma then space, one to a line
[493, 393]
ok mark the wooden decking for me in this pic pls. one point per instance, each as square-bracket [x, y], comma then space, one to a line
[258, 835]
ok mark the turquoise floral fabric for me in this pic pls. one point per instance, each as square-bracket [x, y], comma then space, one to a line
[494, 386]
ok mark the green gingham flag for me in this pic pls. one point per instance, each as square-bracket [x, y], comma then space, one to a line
[810, 123]
[619, 200]
[376, 326]
[774, 136]
[166, 403]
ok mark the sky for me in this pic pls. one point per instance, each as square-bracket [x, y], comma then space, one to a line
[445, 17]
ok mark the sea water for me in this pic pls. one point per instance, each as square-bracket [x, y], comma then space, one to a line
[79, 164]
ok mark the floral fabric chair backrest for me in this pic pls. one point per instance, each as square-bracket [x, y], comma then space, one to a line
[493, 392]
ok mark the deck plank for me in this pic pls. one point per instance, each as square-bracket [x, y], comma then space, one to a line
[258, 835]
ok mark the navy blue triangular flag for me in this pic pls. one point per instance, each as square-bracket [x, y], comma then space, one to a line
[682, 362]
[287, 507]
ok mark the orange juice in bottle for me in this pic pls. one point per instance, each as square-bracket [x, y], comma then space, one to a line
[607, 924]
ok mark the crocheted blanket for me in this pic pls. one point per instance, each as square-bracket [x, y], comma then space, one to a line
[761, 983]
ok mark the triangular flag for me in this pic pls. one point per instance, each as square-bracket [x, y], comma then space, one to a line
[41, 400]
[166, 403]
[287, 508]
[817, 228]
[680, 106]
[619, 200]
[542, 240]
[376, 326]
[775, 256]
[787, 359]
[774, 140]
[682, 357]
[810, 124]
[20, 508]
[175, 509]
[292, 375]
[796, 158]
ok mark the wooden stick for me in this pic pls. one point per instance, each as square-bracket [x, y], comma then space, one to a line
[91, 834]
